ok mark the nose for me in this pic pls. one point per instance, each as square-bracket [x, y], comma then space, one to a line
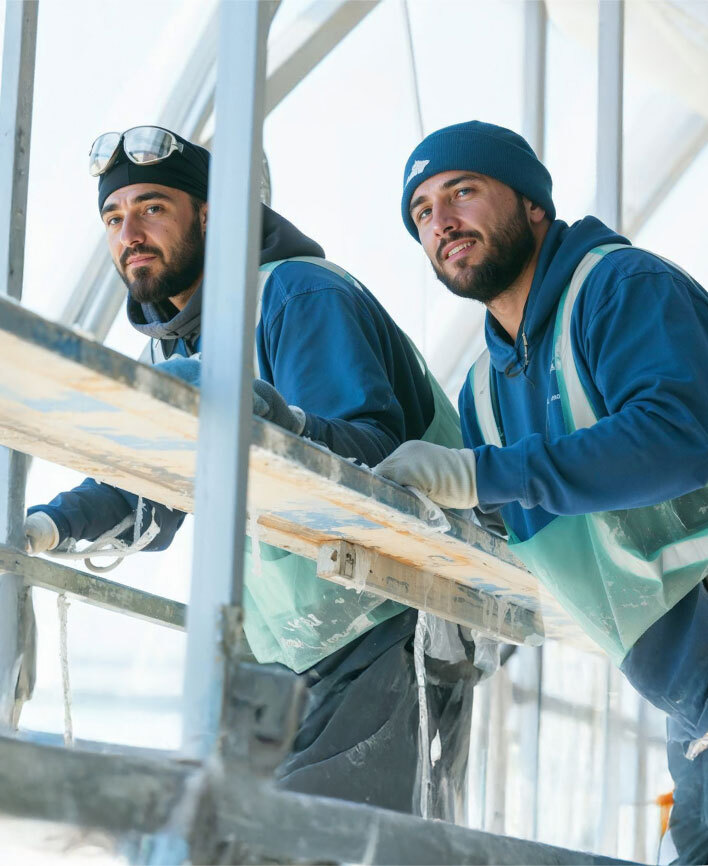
[444, 219]
[131, 232]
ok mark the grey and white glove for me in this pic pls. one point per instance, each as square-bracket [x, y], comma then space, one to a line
[41, 533]
[270, 404]
[447, 475]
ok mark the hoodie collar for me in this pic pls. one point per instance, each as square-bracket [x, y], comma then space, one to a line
[562, 249]
[280, 239]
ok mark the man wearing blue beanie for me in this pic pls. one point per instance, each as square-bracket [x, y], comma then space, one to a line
[334, 367]
[585, 422]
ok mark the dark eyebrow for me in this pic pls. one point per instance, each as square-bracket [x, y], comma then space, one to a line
[151, 194]
[448, 183]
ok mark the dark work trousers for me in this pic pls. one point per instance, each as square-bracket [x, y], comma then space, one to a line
[669, 666]
[359, 739]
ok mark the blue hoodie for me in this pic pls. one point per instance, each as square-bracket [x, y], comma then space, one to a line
[326, 345]
[639, 333]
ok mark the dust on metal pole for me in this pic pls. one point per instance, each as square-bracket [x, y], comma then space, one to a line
[228, 325]
[610, 85]
[17, 630]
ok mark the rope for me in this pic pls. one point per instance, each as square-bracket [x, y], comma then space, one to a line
[423, 735]
[109, 544]
[63, 607]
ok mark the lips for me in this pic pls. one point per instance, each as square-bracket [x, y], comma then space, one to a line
[457, 249]
[139, 260]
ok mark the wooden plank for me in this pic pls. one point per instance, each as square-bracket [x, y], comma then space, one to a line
[74, 402]
[358, 569]
[69, 400]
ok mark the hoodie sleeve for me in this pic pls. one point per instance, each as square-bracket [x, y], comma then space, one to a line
[92, 508]
[327, 356]
[642, 344]
[87, 511]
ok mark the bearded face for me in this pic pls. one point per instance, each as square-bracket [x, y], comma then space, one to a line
[170, 272]
[503, 251]
[156, 236]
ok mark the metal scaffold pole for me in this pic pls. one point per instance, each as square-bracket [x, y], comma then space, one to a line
[232, 255]
[610, 84]
[534, 79]
[17, 629]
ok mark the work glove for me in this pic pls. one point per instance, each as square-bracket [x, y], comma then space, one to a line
[270, 404]
[448, 476]
[41, 533]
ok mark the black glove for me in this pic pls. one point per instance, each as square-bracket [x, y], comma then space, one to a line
[269, 403]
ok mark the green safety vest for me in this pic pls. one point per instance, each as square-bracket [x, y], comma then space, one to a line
[615, 572]
[291, 615]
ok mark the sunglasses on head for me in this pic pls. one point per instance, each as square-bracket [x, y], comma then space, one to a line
[143, 145]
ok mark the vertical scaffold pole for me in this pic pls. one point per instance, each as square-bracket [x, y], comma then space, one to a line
[534, 74]
[232, 257]
[17, 638]
[610, 85]
[530, 660]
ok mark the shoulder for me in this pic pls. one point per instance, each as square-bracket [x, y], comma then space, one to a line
[629, 275]
[292, 278]
[633, 264]
[294, 281]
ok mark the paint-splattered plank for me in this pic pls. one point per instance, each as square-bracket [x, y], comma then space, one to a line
[69, 400]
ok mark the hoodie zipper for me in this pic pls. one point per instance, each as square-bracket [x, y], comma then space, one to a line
[526, 350]
[515, 364]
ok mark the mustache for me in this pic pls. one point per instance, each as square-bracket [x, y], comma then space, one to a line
[455, 236]
[142, 250]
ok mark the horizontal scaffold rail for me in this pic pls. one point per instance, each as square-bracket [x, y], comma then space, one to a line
[68, 399]
[94, 590]
[120, 793]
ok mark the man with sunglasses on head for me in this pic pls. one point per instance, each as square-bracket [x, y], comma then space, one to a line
[333, 367]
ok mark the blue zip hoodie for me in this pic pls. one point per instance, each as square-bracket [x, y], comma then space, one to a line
[639, 334]
[326, 345]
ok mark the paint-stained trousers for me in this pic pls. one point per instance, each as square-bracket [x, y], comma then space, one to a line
[359, 739]
[669, 666]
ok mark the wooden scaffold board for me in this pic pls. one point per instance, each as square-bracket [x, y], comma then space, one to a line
[70, 400]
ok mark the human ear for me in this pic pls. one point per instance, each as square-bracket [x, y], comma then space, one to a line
[535, 212]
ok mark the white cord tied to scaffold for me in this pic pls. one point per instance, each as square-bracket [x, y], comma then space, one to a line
[63, 607]
[109, 544]
[421, 630]
[429, 753]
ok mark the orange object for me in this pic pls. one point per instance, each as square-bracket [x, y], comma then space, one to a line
[665, 802]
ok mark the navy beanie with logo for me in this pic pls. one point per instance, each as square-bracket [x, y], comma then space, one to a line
[482, 148]
[188, 171]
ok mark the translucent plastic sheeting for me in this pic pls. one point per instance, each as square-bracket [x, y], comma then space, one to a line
[565, 752]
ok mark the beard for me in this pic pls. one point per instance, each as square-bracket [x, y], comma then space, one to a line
[511, 245]
[183, 270]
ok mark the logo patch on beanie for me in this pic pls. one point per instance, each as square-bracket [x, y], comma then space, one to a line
[416, 168]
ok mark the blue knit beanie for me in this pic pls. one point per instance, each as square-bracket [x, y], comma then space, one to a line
[483, 148]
